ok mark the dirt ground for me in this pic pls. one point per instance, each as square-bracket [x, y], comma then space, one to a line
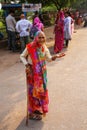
[8, 58]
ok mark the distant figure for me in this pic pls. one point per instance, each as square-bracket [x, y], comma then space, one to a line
[77, 14]
[59, 32]
[11, 24]
[41, 17]
[78, 18]
[23, 28]
[67, 28]
[37, 26]
[73, 23]
[36, 14]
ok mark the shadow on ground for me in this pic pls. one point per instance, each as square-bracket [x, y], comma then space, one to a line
[32, 125]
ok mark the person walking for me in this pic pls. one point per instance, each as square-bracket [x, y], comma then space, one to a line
[59, 32]
[34, 58]
[23, 28]
[11, 24]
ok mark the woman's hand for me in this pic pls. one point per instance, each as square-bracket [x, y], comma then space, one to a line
[60, 55]
[27, 70]
[54, 58]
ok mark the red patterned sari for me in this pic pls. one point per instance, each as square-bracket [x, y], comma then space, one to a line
[59, 33]
[37, 80]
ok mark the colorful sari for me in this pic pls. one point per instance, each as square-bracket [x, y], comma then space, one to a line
[59, 33]
[37, 80]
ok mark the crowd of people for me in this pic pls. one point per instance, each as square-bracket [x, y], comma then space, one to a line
[24, 28]
[35, 52]
[63, 29]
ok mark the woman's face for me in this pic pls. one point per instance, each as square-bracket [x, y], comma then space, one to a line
[41, 38]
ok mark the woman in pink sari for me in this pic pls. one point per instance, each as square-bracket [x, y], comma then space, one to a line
[59, 32]
[37, 26]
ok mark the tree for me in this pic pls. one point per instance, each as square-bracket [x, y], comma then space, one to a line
[81, 4]
[58, 3]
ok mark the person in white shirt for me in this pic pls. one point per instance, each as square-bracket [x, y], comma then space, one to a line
[67, 28]
[23, 27]
[11, 24]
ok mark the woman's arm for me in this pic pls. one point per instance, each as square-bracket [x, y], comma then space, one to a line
[52, 58]
[48, 55]
[23, 57]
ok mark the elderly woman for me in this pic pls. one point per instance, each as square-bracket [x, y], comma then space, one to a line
[34, 59]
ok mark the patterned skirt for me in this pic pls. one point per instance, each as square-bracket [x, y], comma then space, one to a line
[37, 96]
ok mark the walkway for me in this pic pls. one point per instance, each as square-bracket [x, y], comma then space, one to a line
[67, 84]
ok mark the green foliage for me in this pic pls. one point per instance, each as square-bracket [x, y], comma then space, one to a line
[49, 8]
[80, 4]
[58, 3]
[1, 24]
[1, 19]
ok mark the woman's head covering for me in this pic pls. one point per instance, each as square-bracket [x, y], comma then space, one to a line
[37, 22]
[37, 35]
[61, 15]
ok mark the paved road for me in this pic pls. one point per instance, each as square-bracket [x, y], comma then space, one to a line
[67, 84]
